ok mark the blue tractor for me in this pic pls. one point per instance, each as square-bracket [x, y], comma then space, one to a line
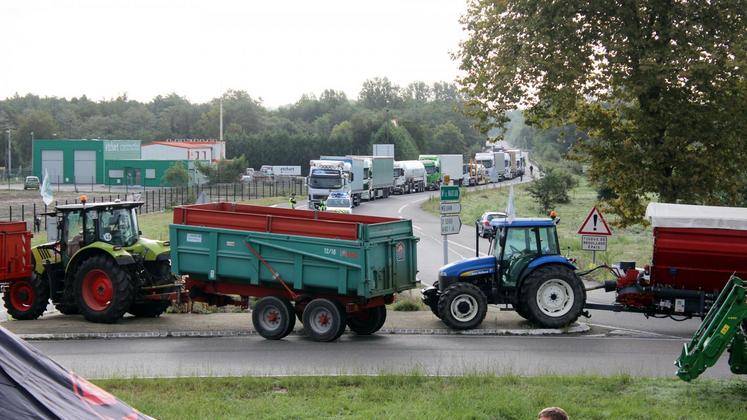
[523, 268]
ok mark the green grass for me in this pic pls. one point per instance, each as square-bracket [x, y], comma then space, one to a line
[156, 225]
[630, 244]
[421, 397]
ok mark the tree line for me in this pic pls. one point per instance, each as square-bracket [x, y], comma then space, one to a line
[417, 118]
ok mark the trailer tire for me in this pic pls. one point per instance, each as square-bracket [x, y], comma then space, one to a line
[552, 296]
[152, 309]
[368, 321]
[323, 320]
[462, 306]
[27, 299]
[103, 290]
[272, 318]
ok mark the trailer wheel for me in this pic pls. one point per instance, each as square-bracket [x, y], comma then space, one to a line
[152, 309]
[552, 296]
[368, 321]
[323, 320]
[272, 318]
[27, 299]
[103, 290]
[462, 306]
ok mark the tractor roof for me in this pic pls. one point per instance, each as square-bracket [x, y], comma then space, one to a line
[520, 222]
[108, 204]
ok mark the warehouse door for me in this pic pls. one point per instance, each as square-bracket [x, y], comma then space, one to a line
[52, 162]
[85, 166]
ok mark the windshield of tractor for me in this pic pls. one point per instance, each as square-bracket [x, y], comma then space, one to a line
[530, 241]
[118, 227]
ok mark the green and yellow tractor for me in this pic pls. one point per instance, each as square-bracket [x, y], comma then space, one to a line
[97, 264]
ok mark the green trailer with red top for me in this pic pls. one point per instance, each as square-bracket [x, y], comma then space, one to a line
[330, 270]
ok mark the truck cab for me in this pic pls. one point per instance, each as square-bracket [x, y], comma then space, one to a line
[523, 268]
[326, 177]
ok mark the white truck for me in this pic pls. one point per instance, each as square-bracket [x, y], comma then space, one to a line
[327, 177]
[359, 176]
[494, 163]
[380, 176]
[409, 176]
[451, 166]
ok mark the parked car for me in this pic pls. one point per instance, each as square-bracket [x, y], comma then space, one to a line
[31, 183]
[483, 223]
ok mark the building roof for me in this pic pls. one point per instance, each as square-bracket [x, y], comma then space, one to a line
[692, 216]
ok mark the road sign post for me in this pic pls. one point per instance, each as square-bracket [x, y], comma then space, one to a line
[450, 209]
[594, 232]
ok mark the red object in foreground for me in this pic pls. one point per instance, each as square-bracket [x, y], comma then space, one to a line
[15, 251]
[274, 220]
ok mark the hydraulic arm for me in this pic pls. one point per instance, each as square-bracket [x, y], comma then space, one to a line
[725, 326]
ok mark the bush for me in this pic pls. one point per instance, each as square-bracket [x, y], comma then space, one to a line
[176, 176]
[552, 188]
[407, 304]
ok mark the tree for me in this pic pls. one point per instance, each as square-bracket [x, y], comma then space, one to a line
[38, 122]
[176, 176]
[447, 139]
[404, 145]
[379, 93]
[552, 188]
[227, 170]
[659, 86]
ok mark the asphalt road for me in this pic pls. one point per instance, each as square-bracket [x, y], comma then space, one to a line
[618, 343]
[432, 355]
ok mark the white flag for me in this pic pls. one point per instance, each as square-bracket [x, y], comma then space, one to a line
[46, 189]
[510, 208]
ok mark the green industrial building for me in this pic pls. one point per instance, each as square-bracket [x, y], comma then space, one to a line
[94, 161]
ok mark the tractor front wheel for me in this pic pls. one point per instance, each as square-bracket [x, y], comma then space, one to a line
[552, 296]
[103, 290]
[368, 321]
[27, 299]
[463, 306]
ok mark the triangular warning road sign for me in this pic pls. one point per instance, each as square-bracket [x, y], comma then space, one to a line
[595, 224]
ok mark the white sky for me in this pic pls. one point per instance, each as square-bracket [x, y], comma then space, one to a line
[274, 49]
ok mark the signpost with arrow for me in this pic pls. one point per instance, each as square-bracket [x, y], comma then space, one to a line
[594, 232]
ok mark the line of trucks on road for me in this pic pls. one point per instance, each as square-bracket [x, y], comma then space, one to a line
[376, 177]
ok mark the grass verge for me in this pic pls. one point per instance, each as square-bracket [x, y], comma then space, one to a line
[416, 396]
[630, 244]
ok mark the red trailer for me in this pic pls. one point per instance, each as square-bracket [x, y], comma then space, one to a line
[696, 250]
[16, 265]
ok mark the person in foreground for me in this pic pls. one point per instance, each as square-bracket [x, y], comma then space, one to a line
[552, 413]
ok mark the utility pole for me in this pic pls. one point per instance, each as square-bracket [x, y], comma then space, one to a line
[221, 119]
[10, 162]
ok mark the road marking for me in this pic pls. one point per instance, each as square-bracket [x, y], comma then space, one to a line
[635, 331]
[402, 208]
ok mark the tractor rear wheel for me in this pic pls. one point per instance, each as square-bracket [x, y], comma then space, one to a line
[27, 299]
[463, 306]
[323, 320]
[273, 317]
[552, 296]
[368, 321]
[103, 290]
[151, 309]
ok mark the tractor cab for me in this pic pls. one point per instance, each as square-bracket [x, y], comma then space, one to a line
[516, 244]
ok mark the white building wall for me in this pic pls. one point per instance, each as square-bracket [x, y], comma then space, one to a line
[168, 152]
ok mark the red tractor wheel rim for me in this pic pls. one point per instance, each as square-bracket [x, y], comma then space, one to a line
[22, 296]
[97, 290]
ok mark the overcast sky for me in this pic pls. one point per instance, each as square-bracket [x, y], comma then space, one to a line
[274, 49]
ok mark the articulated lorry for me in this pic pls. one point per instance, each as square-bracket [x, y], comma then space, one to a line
[409, 176]
[356, 174]
[494, 163]
[382, 176]
[437, 167]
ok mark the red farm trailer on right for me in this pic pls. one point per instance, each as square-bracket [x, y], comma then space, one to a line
[696, 251]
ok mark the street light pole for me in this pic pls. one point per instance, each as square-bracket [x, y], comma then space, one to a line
[10, 162]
